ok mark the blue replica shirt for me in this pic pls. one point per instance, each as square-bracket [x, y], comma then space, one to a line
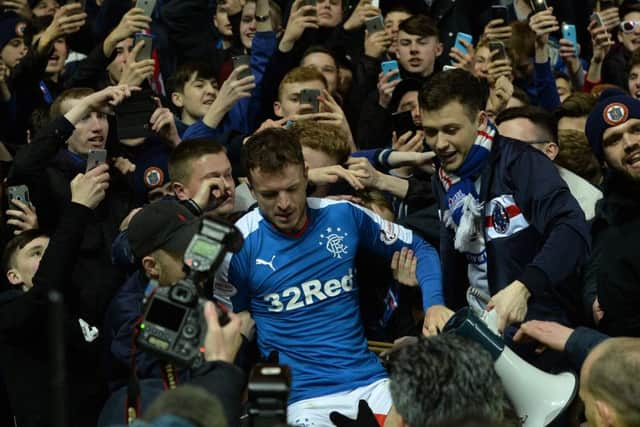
[302, 293]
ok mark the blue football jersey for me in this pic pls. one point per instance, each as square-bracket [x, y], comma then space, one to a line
[302, 293]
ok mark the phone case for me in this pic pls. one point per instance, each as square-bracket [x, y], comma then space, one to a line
[20, 193]
[389, 66]
[147, 49]
[95, 158]
[133, 115]
[310, 96]
[146, 5]
[499, 46]
[242, 60]
[499, 12]
[374, 24]
[310, 3]
[402, 123]
[463, 36]
[569, 33]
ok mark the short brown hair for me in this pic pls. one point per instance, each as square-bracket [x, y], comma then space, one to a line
[74, 93]
[271, 150]
[186, 152]
[419, 25]
[301, 75]
[613, 377]
[455, 85]
[578, 104]
[323, 137]
[576, 155]
[183, 74]
[17, 243]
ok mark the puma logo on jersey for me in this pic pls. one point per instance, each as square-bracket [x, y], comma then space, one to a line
[267, 263]
[309, 293]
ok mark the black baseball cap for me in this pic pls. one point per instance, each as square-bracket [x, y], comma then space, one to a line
[406, 85]
[164, 224]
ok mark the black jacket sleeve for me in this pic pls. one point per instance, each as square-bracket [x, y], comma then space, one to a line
[580, 344]
[31, 161]
[551, 209]
[91, 70]
[54, 272]
[374, 124]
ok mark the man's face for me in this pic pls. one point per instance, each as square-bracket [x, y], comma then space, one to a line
[282, 196]
[13, 52]
[631, 41]
[481, 62]
[392, 25]
[409, 102]
[329, 13]
[525, 130]
[45, 8]
[418, 54]
[197, 96]
[621, 145]
[221, 21]
[248, 24]
[26, 262]
[91, 132]
[211, 166]
[564, 88]
[289, 102]
[450, 133]
[58, 57]
[633, 82]
[326, 65]
[123, 49]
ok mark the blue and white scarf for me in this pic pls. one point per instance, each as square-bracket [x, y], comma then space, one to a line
[464, 206]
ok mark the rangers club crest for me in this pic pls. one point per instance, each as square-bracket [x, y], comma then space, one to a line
[500, 218]
[153, 177]
[334, 242]
[616, 113]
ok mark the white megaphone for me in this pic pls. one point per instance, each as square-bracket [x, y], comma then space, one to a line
[538, 397]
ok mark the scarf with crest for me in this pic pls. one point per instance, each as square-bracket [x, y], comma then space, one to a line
[462, 199]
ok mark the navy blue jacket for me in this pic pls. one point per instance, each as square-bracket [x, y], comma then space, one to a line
[534, 231]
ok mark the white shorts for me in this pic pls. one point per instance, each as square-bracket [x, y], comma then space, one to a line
[315, 411]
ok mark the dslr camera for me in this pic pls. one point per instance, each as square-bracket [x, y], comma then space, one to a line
[173, 326]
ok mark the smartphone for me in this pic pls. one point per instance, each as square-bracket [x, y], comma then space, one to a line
[146, 5]
[402, 122]
[242, 60]
[20, 193]
[389, 66]
[96, 158]
[569, 33]
[466, 37]
[147, 49]
[499, 46]
[538, 5]
[134, 113]
[313, 3]
[310, 96]
[598, 19]
[374, 24]
[500, 12]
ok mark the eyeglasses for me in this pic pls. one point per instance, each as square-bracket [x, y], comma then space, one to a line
[629, 26]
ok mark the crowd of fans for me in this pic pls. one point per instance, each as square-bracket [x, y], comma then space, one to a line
[387, 164]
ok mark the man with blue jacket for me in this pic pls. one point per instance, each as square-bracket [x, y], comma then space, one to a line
[511, 233]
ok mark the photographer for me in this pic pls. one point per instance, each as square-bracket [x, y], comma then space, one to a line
[34, 265]
[158, 235]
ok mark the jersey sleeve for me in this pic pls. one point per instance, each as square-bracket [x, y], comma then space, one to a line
[384, 238]
[231, 283]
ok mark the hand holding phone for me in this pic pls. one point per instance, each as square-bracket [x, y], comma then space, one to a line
[402, 122]
[500, 12]
[388, 67]
[310, 97]
[313, 3]
[147, 6]
[146, 50]
[569, 33]
[375, 24]
[498, 46]
[19, 193]
[538, 5]
[95, 158]
[242, 60]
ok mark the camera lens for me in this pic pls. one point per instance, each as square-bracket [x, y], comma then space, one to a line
[190, 330]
